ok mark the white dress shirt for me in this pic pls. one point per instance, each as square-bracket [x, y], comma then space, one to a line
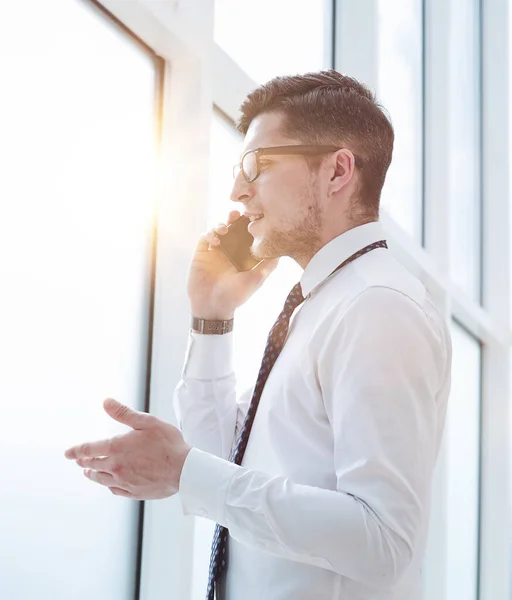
[332, 499]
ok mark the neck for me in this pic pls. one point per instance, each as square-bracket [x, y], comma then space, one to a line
[326, 236]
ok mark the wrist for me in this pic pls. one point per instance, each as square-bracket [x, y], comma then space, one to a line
[207, 315]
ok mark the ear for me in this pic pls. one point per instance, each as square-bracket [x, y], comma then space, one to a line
[341, 171]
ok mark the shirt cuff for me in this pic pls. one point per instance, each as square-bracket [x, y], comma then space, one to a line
[209, 356]
[204, 485]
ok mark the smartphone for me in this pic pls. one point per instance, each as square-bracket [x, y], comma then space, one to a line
[236, 245]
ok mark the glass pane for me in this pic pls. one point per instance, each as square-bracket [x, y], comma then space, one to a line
[76, 208]
[464, 140]
[225, 148]
[400, 91]
[268, 38]
[253, 320]
[463, 454]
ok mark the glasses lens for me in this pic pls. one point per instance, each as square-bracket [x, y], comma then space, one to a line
[250, 166]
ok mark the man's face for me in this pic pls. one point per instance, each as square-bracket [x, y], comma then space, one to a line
[286, 193]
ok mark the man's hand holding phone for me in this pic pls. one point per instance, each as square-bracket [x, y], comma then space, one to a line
[216, 287]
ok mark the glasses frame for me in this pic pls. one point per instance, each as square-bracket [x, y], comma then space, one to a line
[294, 149]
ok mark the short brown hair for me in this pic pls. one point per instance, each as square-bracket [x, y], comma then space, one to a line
[327, 107]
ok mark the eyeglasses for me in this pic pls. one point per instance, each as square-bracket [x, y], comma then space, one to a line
[250, 163]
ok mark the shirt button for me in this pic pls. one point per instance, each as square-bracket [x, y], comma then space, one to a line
[203, 513]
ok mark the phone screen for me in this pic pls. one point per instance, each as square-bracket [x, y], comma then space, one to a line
[236, 245]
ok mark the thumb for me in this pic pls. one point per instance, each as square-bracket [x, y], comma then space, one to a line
[265, 268]
[126, 415]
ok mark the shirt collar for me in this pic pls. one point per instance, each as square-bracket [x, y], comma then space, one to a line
[338, 250]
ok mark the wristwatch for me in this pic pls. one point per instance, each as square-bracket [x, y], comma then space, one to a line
[211, 327]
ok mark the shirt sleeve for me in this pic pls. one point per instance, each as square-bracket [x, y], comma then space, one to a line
[205, 400]
[381, 370]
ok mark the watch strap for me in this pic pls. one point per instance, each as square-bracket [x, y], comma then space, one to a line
[211, 327]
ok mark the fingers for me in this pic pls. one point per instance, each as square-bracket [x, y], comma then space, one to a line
[202, 244]
[119, 492]
[107, 480]
[90, 450]
[233, 216]
[221, 229]
[207, 241]
[98, 464]
[101, 478]
[210, 239]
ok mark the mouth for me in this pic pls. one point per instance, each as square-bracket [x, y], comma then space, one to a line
[254, 219]
[253, 216]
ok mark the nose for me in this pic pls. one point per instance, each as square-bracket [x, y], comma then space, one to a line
[241, 191]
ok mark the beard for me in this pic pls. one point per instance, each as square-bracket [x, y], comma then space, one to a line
[301, 240]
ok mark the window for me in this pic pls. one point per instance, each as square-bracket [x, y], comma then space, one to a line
[400, 91]
[464, 142]
[462, 436]
[225, 149]
[268, 38]
[76, 224]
